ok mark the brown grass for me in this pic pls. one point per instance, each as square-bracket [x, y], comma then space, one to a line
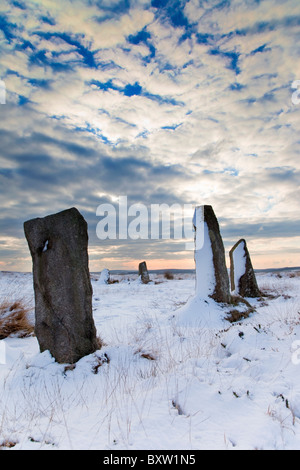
[168, 275]
[14, 320]
[100, 361]
[295, 274]
[236, 315]
[7, 444]
[145, 354]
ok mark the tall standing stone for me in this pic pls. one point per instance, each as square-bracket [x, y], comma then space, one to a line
[64, 323]
[211, 272]
[242, 276]
[143, 272]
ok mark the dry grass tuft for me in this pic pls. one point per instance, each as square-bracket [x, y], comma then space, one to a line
[294, 274]
[168, 275]
[14, 320]
[236, 315]
[100, 361]
[146, 355]
[100, 342]
[7, 444]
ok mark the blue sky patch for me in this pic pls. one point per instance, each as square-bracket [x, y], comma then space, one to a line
[232, 58]
[87, 55]
[7, 28]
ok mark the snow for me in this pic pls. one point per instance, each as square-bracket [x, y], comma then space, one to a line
[162, 380]
[104, 276]
[239, 263]
[205, 274]
[202, 313]
[45, 248]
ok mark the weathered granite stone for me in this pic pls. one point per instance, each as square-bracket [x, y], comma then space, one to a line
[64, 323]
[242, 276]
[211, 272]
[143, 272]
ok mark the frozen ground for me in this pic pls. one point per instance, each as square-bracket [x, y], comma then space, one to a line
[163, 380]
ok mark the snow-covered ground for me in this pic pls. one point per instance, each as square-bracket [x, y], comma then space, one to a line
[163, 380]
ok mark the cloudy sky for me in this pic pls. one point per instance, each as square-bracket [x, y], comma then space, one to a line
[162, 101]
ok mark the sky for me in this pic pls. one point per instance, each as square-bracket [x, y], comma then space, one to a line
[161, 101]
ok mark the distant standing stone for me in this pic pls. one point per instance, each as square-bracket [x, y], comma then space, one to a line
[211, 272]
[143, 272]
[242, 276]
[64, 323]
[104, 276]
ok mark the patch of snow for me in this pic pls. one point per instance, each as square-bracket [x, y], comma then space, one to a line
[173, 379]
[202, 313]
[239, 262]
[205, 274]
[45, 248]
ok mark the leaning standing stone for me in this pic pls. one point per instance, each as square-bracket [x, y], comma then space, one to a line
[64, 323]
[143, 272]
[242, 276]
[211, 272]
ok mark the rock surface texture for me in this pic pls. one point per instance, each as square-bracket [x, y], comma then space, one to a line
[242, 276]
[64, 322]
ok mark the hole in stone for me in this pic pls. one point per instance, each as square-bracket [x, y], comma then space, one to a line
[46, 246]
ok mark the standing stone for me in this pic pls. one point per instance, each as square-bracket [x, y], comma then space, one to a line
[211, 272]
[242, 276]
[64, 323]
[143, 272]
[104, 276]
